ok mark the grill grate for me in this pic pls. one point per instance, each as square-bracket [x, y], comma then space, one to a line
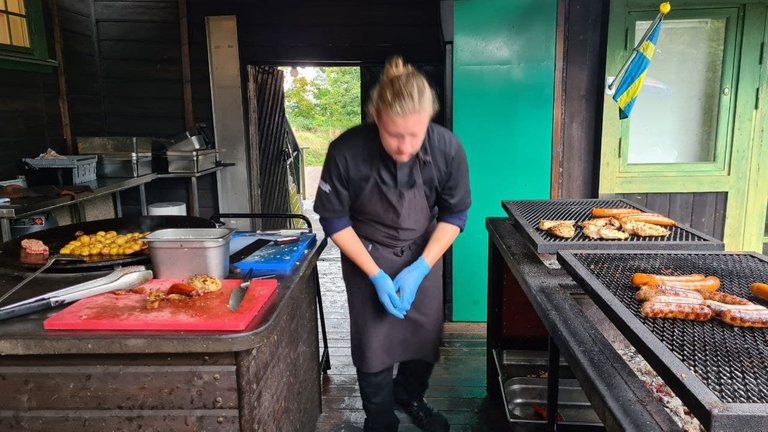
[731, 362]
[529, 213]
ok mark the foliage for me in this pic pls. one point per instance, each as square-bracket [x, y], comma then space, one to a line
[319, 108]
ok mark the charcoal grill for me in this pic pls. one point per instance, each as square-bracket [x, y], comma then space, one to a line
[720, 372]
[528, 214]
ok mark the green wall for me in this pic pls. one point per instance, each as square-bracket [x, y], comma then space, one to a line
[504, 59]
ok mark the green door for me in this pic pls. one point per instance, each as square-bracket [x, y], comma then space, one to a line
[697, 125]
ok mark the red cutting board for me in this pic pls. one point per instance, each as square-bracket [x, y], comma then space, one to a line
[129, 311]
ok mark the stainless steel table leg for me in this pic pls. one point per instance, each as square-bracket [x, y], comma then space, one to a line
[5, 228]
[143, 199]
[194, 202]
[553, 385]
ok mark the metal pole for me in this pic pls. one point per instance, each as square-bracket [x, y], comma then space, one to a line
[664, 8]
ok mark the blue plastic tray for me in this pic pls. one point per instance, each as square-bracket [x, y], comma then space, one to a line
[272, 258]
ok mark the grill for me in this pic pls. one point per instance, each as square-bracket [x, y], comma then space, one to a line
[720, 372]
[529, 213]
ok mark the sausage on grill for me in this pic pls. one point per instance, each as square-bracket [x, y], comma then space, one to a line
[649, 291]
[723, 297]
[687, 311]
[745, 318]
[718, 308]
[613, 212]
[641, 279]
[760, 290]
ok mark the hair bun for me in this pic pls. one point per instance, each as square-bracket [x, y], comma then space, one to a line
[395, 67]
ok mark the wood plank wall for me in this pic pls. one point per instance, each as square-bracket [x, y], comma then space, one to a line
[30, 120]
[704, 212]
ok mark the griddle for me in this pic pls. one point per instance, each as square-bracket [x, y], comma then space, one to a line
[720, 372]
[56, 238]
[528, 213]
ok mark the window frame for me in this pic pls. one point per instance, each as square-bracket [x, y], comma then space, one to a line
[36, 57]
[724, 138]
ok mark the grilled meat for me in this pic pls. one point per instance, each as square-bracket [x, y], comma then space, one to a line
[546, 224]
[607, 233]
[563, 230]
[644, 229]
[601, 222]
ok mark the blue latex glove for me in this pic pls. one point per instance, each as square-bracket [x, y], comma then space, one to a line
[385, 289]
[409, 280]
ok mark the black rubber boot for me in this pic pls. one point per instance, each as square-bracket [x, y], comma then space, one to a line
[376, 391]
[410, 386]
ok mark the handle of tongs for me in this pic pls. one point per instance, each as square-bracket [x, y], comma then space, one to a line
[30, 277]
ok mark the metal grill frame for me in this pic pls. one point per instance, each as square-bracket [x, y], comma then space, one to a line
[544, 245]
[711, 411]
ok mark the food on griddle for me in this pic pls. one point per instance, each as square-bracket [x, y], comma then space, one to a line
[651, 218]
[563, 230]
[546, 224]
[644, 229]
[604, 233]
[745, 318]
[686, 311]
[642, 279]
[204, 283]
[601, 222]
[719, 308]
[183, 289]
[34, 246]
[760, 290]
[723, 298]
[105, 243]
[649, 291]
[613, 212]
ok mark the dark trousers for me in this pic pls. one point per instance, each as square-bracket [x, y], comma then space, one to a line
[380, 392]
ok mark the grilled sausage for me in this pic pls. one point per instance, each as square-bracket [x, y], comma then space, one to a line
[651, 218]
[709, 283]
[694, 312]
[648, 292]
[613, 212]
[719, 308]
[674, 299]
[723, 297]
[745, 318]
[641, 279]
[760, 290]
[183, 289]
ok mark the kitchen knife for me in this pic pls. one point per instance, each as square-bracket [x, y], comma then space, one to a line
[126, 281]
[237, 296]
[248, 249]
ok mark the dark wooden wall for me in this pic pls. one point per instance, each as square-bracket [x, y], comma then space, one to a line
[704, 211]
[30, 119]
[324, 32]
[579, 107]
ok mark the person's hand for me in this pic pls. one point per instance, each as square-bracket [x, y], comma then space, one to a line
[409, 280]
[385, 289]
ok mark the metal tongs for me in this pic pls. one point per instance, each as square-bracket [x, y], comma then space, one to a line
[47, 264]
[120, 279]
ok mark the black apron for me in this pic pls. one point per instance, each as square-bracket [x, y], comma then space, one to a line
[395, 226]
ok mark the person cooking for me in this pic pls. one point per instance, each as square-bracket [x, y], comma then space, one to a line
[393, 196]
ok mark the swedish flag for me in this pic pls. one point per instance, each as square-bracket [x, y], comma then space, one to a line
[630, 84]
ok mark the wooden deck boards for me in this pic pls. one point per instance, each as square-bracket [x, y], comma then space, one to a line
[457, 387]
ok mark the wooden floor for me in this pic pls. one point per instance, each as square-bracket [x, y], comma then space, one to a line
[457, 387]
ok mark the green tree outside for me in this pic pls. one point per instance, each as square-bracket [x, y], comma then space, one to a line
[319, 109]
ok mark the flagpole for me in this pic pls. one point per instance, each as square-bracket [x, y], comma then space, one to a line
[664, 9]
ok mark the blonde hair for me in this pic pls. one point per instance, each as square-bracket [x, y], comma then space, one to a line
[402, 90]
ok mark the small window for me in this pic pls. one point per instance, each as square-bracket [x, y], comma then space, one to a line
[22, 36]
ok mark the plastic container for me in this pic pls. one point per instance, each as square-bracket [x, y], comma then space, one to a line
[178, 253]
[71, 170]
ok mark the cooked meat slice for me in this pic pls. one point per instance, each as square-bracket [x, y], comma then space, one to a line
[546, 224]
[591, 231]
[564, 230]
[601, 222]
[607, 233]
[33, 246]
[644, 229]
[204, 283]
[183, 290]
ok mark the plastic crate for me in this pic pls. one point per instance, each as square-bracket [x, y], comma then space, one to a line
[69, 171]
